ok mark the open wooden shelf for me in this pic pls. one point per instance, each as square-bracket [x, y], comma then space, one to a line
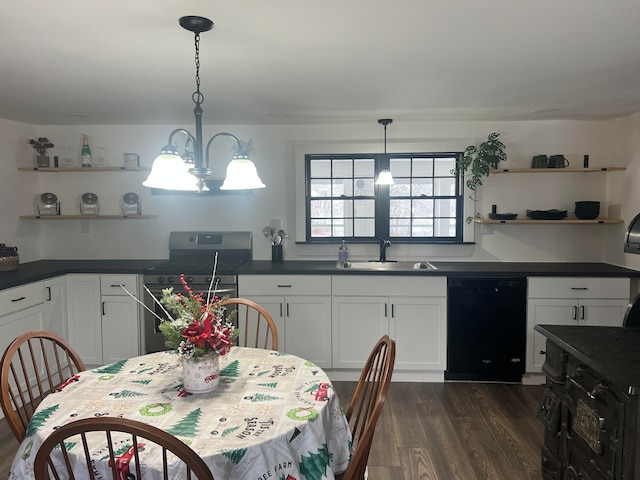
[80, 169]
[564, 221]
[85, 217]
[558, 170]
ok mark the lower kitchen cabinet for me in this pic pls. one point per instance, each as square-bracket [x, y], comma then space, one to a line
[54, 307]
[410, 310]
[21, 311]
[103, 321]
[572, 301]
[300, 306]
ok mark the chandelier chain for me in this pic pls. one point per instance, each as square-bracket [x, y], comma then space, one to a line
[197, 95]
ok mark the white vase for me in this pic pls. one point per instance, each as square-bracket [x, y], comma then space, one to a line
[201, 375]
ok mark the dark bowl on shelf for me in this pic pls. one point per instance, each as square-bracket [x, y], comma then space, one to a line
[587, 210]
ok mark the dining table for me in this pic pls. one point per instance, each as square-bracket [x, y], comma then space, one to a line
[272, 416]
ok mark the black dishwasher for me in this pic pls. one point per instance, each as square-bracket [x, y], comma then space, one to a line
[486, 329]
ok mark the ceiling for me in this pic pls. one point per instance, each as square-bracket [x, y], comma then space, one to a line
[302, 62]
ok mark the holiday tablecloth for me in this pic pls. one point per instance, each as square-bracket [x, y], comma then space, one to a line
[273, 416]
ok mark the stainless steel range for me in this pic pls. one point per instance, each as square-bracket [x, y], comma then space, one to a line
[193, 254]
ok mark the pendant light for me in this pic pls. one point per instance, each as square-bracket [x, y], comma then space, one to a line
[385, 177]
[171, 172]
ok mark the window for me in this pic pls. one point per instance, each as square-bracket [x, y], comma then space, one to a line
[343, 201]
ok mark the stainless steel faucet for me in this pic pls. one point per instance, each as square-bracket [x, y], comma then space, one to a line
[383, 249]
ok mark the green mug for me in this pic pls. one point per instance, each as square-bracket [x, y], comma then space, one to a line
[558, 161]
[540, 161]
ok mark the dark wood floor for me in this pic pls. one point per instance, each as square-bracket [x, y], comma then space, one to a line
[439, 431]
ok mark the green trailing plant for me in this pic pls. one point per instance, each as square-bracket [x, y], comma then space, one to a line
[477, 162]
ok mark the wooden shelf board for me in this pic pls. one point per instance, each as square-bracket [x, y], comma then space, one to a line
[79, 169]
[557, 170]
[85, 217]
[573, 221]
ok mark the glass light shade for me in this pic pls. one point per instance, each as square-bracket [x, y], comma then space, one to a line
[169, 172]
[385, 178]
[241, 175]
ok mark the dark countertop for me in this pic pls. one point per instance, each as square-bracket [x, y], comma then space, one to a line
[43, 269]
[613, 352]
[467, 269]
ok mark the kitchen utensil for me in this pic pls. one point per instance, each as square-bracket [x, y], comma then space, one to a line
[268, 233]
[552, 214]
[280, 236]
[503, 216]
[540, 161]
[587, 210]
[558, 161]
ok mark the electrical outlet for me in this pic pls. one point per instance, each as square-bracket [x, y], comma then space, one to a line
[486, 229]
[276, 224]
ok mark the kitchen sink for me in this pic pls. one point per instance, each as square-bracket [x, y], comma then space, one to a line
[388, 266]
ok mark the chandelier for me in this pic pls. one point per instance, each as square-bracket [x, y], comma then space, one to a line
[188, 171]
[385, 177]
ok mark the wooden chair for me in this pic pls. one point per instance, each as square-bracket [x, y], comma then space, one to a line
[102, 429]
[366, 405]
[33, 365]
[251, 319]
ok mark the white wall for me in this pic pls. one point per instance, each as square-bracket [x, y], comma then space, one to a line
[607, 143]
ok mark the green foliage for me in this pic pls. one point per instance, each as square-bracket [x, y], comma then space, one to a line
[477, 162]
[480, 160]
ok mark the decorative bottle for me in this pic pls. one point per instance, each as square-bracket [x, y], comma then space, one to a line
[86, 152]
[343, 254]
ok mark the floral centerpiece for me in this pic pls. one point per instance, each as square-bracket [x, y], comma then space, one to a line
[199, 326]
[198, 329]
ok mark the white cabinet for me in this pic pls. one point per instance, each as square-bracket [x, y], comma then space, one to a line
[412, 310]
[571, 301]
[55, 305]
[300, 305]
[120, 324]
[20, 311]
[103, 321]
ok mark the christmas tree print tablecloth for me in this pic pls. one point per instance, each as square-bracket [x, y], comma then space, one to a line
[273, 416]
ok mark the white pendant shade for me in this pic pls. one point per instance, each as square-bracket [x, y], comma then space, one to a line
[241, 175]
[385, 178]
[169, 172]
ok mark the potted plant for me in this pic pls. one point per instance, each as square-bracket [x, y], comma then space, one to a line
[479, 161]
[41, 145]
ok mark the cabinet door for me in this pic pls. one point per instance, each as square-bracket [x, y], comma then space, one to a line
[55, 306]
[84, 317]
[274, 305]
[17, 323]
[604, 312]
[556, 311]
[120, 329]
[308, 327]
[418, 326]
[358, 322]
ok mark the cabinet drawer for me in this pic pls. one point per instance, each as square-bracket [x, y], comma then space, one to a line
[389, 285]
[578, 287]
[18, 298]
[110, 284]
[284, 285]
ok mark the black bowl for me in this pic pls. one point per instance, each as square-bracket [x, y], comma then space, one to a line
[587, 210]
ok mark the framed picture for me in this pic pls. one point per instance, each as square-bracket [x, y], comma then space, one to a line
[131, 160]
